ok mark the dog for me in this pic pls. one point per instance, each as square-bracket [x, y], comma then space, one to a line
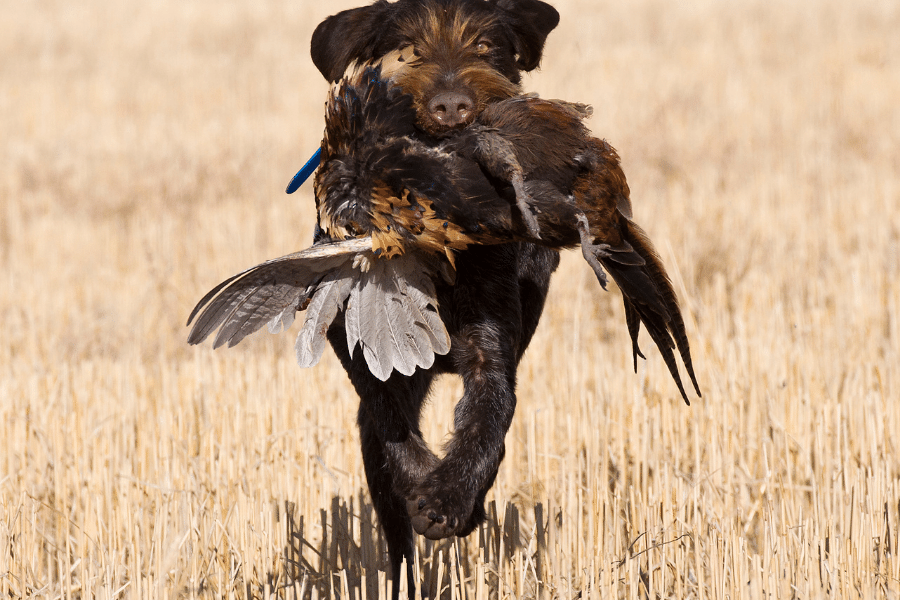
[464, 181]
[462, 57]
[466, 54]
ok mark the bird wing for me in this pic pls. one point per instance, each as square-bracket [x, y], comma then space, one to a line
[244, 302]
[391, 305]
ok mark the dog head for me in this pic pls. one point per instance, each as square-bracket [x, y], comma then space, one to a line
[453, 56]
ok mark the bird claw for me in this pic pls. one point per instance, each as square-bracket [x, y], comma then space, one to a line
[531, 221]
[362, 262]
[591, 251]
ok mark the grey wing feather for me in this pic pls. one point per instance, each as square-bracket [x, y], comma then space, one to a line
[352, 314]
[265, 302]
[373, 328]
[245, 302]
[328, 299]
[283, 320]
[419, 289]
[409, 350]
[400, 330]
[399, 327]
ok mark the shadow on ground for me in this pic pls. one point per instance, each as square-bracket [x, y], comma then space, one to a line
[350, 560]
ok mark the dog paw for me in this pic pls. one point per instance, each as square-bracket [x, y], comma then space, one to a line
[431, 519]
[438, 516]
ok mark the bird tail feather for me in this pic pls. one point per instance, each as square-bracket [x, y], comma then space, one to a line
[650, 299]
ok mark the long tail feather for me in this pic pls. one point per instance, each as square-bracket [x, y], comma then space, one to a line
[633, 320]
[650, 299]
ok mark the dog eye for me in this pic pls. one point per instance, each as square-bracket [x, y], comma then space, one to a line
[483, 47]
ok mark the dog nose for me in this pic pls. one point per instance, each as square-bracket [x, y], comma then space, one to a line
[451, 108]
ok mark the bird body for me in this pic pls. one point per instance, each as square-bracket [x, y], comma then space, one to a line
[395, 205]
[380, 178]
[570, 188]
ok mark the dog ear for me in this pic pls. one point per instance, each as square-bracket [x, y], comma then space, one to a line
[346, 37]
[531, 22]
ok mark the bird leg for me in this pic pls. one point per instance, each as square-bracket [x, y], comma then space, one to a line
[363, 262]
[590, 250]
[498, 155]
[524, 202]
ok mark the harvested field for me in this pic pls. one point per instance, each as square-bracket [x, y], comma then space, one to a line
[145, 150]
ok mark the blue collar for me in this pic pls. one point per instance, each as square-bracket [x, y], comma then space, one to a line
[305, 171]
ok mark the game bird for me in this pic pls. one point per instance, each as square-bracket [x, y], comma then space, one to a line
[395, 205]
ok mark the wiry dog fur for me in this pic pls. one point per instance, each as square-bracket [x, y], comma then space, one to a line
[474, 49]
[466, 54]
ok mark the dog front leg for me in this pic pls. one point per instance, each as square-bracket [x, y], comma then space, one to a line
[450, 500]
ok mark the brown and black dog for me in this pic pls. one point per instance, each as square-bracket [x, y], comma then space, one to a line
[442, 197]
[465, 55]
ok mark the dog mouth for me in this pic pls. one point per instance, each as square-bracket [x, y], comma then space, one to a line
[457, 103]
[447, 96]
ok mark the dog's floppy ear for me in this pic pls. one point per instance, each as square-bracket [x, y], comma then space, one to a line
[346, 37]
[531, 22]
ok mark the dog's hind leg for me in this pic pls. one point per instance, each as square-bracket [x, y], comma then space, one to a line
[395, 456]
[379, 456]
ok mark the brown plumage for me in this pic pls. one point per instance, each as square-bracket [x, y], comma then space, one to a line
[571, 189]
[382, 181]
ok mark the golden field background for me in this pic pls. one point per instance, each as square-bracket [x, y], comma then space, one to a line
[145, 147]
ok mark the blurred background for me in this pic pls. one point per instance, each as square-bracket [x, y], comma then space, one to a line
[145, 148]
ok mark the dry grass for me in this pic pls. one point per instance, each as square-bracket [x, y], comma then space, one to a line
[145, 147]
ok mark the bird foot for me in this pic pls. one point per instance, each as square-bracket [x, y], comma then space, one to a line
[591, 250]
[363, 262]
